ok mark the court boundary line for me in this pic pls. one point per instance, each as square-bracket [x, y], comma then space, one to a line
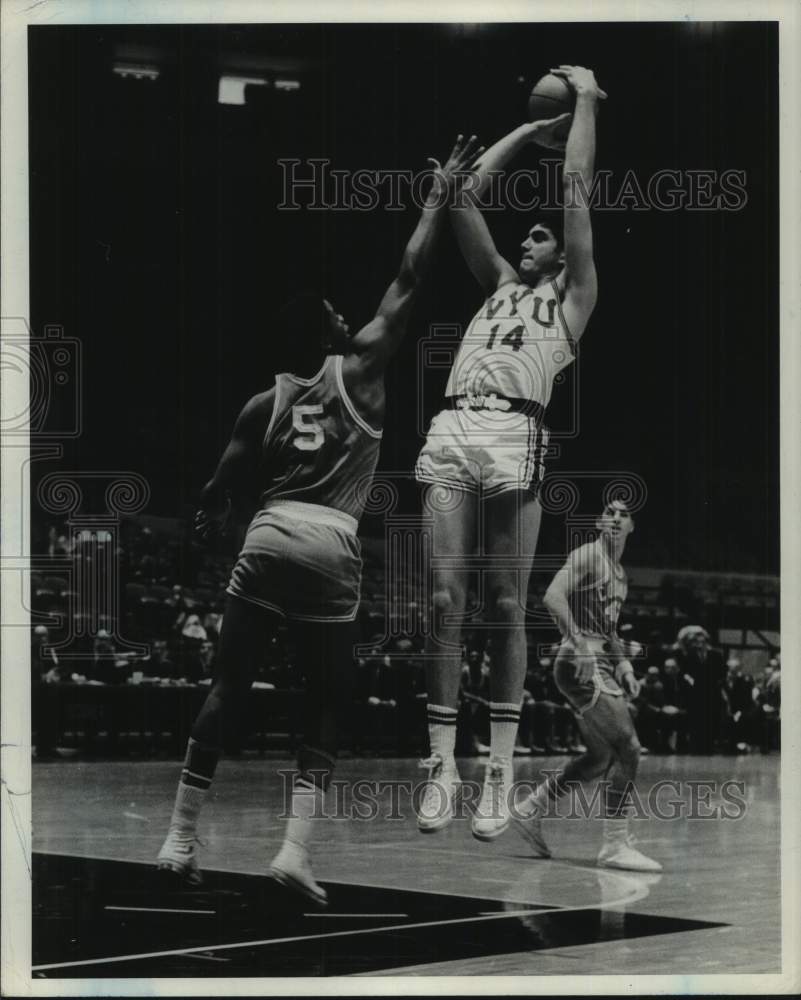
[331, 881]
[286, 940]
[640, 892]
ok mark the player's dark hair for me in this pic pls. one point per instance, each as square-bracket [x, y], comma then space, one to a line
[554, 223]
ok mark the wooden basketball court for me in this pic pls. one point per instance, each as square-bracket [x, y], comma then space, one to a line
[400, 902]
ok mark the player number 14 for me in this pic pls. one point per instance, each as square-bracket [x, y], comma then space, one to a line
[513, 339]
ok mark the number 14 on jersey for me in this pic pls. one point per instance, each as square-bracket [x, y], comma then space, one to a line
[513, 339]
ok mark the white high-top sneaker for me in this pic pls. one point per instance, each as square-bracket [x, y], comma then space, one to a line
[438, 805]
[292, 868]
[528, 818]
[618, 850]
[492, 817]
[177, 855]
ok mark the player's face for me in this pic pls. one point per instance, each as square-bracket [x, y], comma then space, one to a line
[339, 329]
[540, 253]
[615, 522]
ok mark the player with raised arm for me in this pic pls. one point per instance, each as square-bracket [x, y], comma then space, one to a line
[593, 672]
[489, 441]
[307, 448]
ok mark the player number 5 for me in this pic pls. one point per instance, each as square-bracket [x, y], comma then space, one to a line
[310, 432]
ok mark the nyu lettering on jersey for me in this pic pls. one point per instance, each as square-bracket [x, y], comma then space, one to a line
[318, 448]
[514, 347]
[595, 604]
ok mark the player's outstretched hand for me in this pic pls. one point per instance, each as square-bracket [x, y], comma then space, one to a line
[458, 165]
[581, 80]
[542, 132]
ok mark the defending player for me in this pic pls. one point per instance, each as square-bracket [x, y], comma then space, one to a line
[308, 447]
[488, 444]
[593, 673]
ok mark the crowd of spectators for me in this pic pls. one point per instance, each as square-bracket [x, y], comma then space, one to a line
[691, 700]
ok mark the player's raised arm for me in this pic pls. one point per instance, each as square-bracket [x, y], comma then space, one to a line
[581, 283]
[377, 342]
[233, 476]
[478, 248]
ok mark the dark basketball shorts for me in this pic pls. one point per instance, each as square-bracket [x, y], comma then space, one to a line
[583, 695]
[301, 561]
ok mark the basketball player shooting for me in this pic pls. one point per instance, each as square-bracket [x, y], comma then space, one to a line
[594, 674]
[485, 448]
[307, 448]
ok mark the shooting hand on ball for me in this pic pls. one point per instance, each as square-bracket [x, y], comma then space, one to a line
[581, 80]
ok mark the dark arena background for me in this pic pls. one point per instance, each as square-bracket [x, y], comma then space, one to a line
[165, 234]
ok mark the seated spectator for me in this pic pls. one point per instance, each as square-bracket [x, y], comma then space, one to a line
[45, 672]
[44, 659]
[767, 695]
[649, 705]
[704, 671]
[674, 710]
[106, 666]
[160, 662]
[741, 710]
[192, 629]
[198, 662]
[547, 721]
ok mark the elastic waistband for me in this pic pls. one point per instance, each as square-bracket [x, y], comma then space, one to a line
[497, 404]
[297, 510]
[596, 643]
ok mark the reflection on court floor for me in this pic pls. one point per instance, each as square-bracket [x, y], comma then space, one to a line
[440, 904]
[116, 919]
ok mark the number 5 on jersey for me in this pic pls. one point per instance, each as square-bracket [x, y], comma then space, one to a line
[310, 435]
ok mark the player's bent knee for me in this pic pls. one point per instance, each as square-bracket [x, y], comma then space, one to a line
[445, 600]
[629, 749]
[506, 609]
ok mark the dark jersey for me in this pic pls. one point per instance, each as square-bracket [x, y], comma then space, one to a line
[318, 448]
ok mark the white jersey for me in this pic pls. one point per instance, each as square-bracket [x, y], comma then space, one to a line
[514, 347]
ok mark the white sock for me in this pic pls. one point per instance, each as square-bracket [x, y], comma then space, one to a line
[188, 802]
[616, 830]
[442, 732]
[307, 807]
[504, 721]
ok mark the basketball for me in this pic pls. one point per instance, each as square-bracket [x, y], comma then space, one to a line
[550, 98]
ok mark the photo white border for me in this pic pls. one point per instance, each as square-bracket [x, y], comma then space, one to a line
[15, 17]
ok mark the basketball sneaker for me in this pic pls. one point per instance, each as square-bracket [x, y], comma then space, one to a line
[178, 855]
[492, 816]
[438, 805]
[291, 868]
[618, 850]
[528, 820]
